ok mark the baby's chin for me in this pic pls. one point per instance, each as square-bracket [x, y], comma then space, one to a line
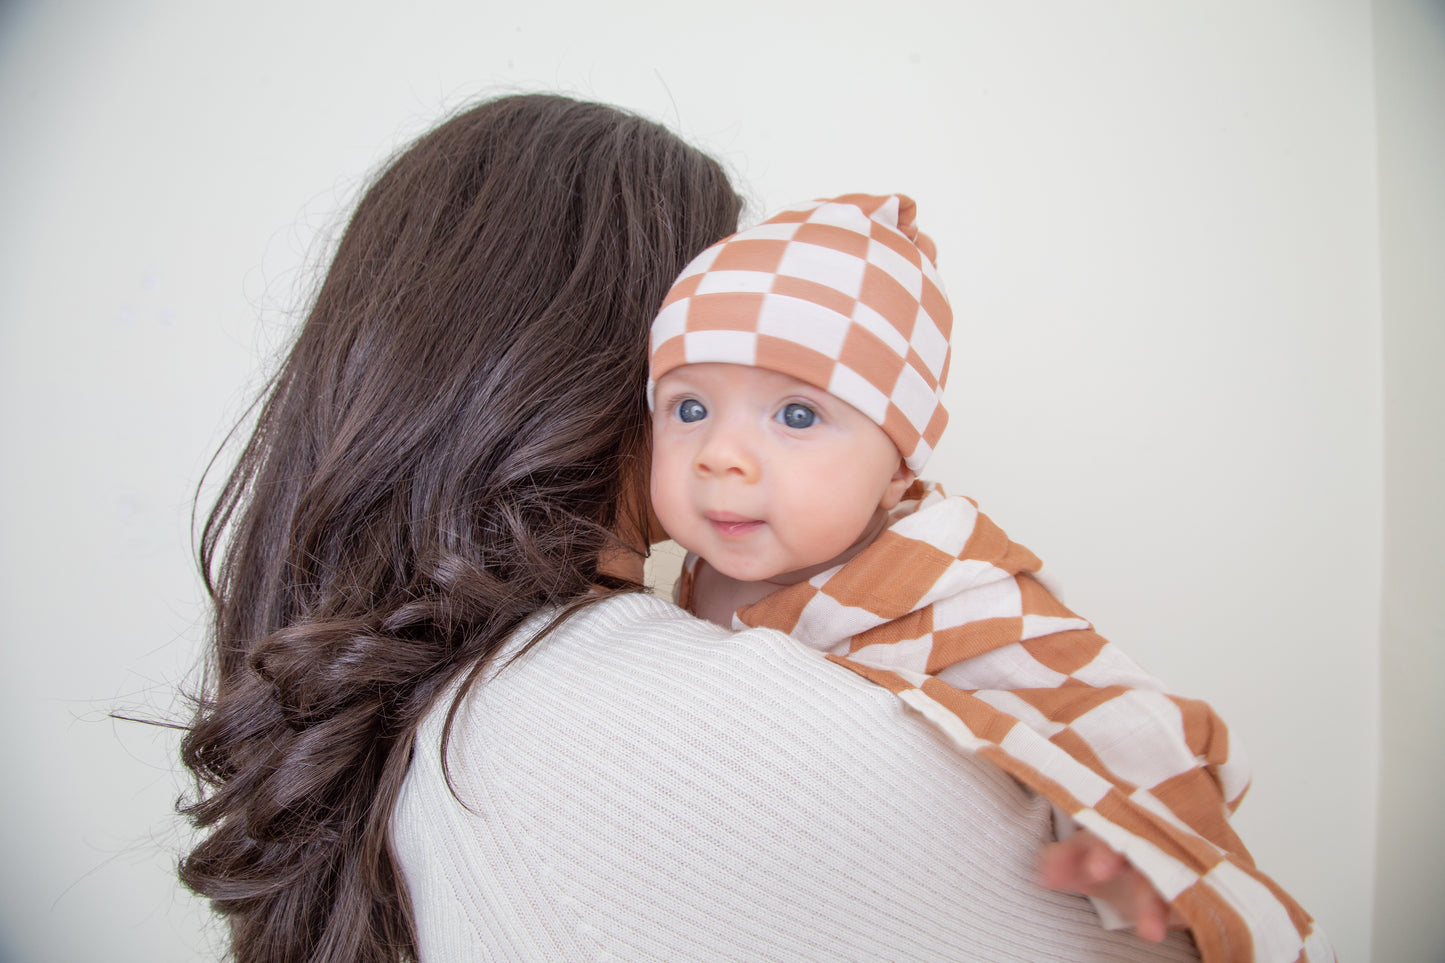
[742, 571]
[749, 571]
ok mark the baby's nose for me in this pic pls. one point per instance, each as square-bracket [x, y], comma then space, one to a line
[727, 453]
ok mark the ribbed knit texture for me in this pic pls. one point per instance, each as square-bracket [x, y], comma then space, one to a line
[944, 610]
[645, 786]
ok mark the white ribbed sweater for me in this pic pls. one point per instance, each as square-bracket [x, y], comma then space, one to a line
[643, 785]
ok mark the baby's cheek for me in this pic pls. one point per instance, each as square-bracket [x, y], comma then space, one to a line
[666, 490]
[846, 515]
[821, 530]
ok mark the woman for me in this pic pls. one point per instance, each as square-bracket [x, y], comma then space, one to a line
[443, 720]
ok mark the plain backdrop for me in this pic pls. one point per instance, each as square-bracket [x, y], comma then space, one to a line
[1194, 251]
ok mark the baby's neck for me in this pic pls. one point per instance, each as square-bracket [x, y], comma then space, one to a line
[716, 596]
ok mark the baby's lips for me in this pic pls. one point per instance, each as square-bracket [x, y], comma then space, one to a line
[728, 518]
[731, 524]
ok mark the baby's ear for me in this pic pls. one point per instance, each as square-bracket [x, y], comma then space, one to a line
[897, 485]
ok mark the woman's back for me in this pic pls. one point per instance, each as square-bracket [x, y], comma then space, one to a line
[453, 442]
[641, 785]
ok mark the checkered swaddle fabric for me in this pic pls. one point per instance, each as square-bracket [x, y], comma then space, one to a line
[839, 293]
[944, 611]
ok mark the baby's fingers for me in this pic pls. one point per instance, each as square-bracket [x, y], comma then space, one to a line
[1151, 913]
[1101, 863]
[1062, 865]
[1083, 863]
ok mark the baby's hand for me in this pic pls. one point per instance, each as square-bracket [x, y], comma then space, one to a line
[1084, 863]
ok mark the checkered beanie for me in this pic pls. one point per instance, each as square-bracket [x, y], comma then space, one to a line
[841, 294]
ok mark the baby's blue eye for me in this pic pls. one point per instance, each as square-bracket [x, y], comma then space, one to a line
[691, 410]
[798, 416]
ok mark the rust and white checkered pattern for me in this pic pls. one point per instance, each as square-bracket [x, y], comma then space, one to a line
[839, 293]
[944, 610]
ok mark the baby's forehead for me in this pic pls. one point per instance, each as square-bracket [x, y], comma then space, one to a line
[721, 375]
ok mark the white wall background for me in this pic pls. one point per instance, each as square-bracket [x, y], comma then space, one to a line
[1161, 226]
[1410, 79]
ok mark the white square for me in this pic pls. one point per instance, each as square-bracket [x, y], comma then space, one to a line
[729, 347]
[729, 282]
[826, 624]
[879, 326]
[929, 342]
[1112, 667]
[1038, 626]
[898, 267]
[1010, 667]
[922, 451]
[1009, 702]
[858, 392]
[1054, 763]
[1139, 736]
[915, 398]
[803, 322]
[825, 266]
[846, 216]
[997, 598]
[909, 655]
[670, 323]
[947, 524]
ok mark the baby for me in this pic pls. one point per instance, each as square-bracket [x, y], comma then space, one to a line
[797, 376]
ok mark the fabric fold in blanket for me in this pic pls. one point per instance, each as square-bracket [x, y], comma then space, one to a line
[946, 612]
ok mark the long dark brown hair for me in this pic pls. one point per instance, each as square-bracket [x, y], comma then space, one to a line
[442, 453]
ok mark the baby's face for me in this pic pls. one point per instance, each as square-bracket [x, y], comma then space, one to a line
[762, 474]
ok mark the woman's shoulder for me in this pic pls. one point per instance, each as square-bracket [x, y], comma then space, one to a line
[637, 671]
[640, 784]
[642, 647]
[627, 651]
